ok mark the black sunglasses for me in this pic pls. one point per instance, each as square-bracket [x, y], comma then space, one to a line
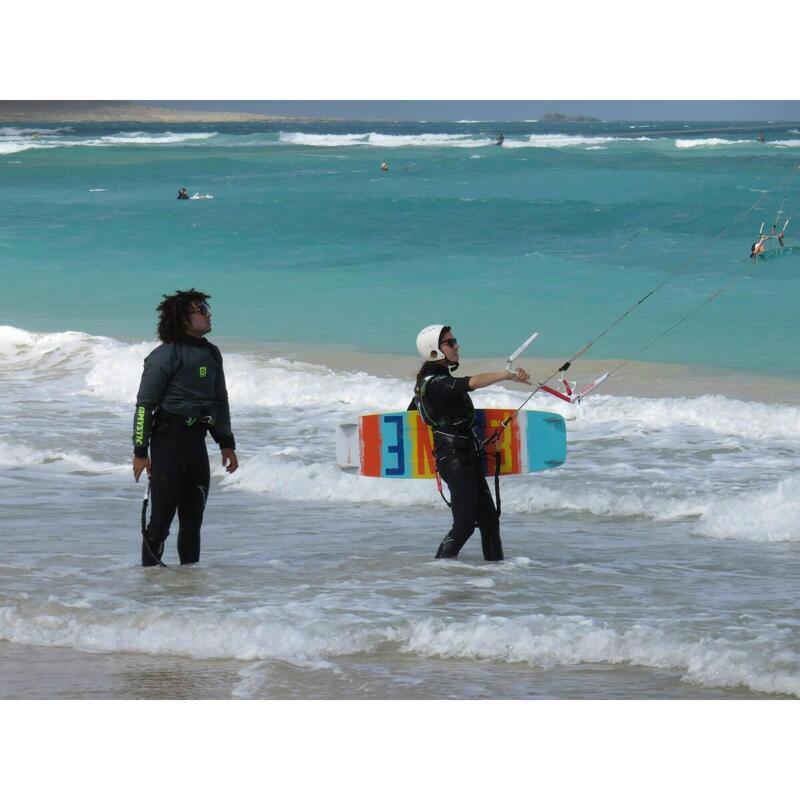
[451, 342]
[202, 308]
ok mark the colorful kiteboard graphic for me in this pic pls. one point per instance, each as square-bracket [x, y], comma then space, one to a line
[400, 445]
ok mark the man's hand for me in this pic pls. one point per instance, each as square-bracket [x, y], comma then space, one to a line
[139, 465]
[229, 460]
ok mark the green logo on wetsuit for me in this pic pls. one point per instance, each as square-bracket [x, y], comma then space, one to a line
[203, 371]
[140, 425]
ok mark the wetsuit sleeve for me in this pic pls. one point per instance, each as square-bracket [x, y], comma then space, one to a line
[158, 370]
[221, 432]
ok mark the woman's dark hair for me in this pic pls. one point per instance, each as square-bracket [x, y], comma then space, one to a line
[426, 364]
[174, 310]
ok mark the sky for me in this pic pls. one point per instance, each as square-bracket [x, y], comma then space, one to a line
[433, 61]
[508, 110]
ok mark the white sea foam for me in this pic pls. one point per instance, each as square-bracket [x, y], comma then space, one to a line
[287, 475]
[11, 131]
[19, 144]
[7, 148]
[786, 143]
[766, 515]
[547, 641]
[323, 139]
[15, 454]
[302, 635]
[254, 381]
[712, 142]
[112, 371]
[696, 452]
[140, 137]
[384, 140]
[713, 413]
[429, 140]
[42, 352]
[255, 634]
[559, 140]
[18, 140]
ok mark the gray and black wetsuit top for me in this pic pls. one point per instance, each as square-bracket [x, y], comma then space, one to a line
[446, 400]
[183, 378]
[445, 404]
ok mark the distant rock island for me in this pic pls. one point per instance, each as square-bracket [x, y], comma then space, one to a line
[115, 111]
[554, 117]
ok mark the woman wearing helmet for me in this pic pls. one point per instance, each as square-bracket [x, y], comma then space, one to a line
[445, 405]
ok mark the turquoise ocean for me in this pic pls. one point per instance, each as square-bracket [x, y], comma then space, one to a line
[660, 561]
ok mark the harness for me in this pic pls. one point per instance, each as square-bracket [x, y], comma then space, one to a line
[420, 392]
[166, 420]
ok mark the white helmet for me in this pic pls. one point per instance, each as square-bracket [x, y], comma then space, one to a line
[428, 343]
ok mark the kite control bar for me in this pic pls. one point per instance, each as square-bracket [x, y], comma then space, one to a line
[520, 350]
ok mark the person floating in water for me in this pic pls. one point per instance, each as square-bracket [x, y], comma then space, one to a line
[183, 194]
[759, 248]
[384, 167]
[500, 139]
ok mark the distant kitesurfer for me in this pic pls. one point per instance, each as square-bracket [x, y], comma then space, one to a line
[759, 247]
[182, 395]
[500, 139]
[761, 137]
[445, 405]
[384, 167]
[183, 194]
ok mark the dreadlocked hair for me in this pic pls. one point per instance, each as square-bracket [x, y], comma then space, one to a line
[174, 310]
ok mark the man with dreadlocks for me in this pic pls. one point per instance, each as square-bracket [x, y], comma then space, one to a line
[182, 395]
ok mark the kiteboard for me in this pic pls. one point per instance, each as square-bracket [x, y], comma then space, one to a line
[779, 251]
[400, 445]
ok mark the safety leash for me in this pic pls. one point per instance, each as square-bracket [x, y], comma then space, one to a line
[145, 503]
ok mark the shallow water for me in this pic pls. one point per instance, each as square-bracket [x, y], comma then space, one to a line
[660, 561]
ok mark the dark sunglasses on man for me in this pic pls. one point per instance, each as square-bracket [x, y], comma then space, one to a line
[451, 342]
[202, 308]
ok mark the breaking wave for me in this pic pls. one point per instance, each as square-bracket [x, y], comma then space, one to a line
[307, 638]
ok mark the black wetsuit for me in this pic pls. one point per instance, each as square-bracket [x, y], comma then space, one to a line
[182, 395]
[447, 403]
